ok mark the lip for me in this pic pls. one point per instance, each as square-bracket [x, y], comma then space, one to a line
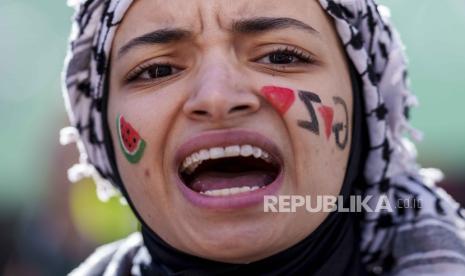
[224, 138]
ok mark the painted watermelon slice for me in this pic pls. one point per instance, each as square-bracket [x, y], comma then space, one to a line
[130, 141]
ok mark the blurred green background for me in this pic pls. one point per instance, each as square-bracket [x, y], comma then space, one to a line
[32, 164]
[434, 34]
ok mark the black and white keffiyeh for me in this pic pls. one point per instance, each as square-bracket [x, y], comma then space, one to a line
[428, 241]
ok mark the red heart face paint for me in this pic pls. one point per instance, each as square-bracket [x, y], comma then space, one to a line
[281, 98]
[328, 114]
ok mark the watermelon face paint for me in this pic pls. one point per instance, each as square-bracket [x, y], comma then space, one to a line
[281, 98]
[132, 145]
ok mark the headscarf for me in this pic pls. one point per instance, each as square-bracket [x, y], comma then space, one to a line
[430, 239]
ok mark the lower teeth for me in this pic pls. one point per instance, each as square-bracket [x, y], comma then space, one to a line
[230, 191]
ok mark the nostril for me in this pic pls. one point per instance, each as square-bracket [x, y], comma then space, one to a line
[239, 108]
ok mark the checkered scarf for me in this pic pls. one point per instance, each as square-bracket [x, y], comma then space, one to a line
[427, 240]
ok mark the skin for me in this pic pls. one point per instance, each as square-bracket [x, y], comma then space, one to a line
[216, 82]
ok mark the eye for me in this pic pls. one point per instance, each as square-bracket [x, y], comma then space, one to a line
[152, 72]
[286, 56]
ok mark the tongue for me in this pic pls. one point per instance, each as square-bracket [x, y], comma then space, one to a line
[221, 180]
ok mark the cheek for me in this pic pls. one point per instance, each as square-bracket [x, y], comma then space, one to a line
[329, 120]
[320, 116]
[319, 129]
[141, 123]
[138, 127]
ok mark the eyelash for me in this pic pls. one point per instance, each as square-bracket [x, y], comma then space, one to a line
[141, 69]
[302, 57]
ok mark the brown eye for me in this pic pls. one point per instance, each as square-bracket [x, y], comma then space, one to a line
[281, 58]
[152, 72]
[286, 56]
[157, 71]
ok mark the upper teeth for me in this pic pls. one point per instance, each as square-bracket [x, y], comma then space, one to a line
[195, 159]
[231, 191]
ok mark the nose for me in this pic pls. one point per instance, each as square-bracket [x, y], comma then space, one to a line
[220, 94]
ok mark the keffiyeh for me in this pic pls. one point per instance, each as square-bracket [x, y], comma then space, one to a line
[427, 240]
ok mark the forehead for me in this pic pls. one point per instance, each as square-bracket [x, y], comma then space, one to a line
[197, 15]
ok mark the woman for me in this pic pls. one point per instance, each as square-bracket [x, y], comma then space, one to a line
[196, 111]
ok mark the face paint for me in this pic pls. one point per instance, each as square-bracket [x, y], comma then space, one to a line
[308, 98]
[281, 98]
[328, 114]
[132, 145]
[340, 126]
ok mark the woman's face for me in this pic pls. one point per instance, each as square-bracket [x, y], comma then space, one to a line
[233, 100]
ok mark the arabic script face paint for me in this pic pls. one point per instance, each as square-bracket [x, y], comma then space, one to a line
[327, 113]
[131, 144]
[281, 98]
[337, 128]
[308, 98]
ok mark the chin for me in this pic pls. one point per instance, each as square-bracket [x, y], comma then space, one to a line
[237, 240]
[236, 248]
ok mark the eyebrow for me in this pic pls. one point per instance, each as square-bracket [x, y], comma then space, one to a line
[161, 36]
[266, 24]
[244, 26]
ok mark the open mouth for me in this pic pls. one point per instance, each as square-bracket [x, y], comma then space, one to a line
[229, 170]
